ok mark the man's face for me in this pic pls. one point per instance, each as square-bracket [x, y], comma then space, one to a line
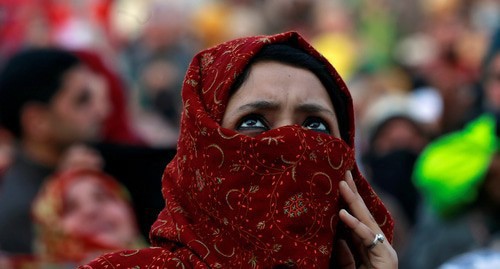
[79, 108]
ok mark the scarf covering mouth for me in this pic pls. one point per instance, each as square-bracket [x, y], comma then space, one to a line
[234, 201]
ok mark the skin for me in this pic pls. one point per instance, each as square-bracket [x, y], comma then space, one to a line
[91, 210]
[398, 134]
[363, 227]
[6, 150]
[80, 156]
[275, 95]
[74, 115]
[78, 110]
[492, 84]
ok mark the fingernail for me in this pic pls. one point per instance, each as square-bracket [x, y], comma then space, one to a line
[345, 213]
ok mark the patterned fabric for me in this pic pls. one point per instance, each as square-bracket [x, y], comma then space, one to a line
[53, 245]
[234, 201]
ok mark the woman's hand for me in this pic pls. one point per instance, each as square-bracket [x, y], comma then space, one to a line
[375, 253]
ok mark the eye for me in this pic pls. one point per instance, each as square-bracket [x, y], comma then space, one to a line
[252, 123]
[69, 207]
[83, 98]
[316, 124]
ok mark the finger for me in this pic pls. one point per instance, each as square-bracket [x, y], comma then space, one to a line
[350, 181]
[360, 234]
[357, 206]
[344, 257]
[359, 245]
[364, 232]
[359, 228]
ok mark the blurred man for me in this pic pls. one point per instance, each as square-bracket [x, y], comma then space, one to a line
[47, 102]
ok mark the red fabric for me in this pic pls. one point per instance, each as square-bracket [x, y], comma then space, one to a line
[60, 12]
[234, 201]
[54, 243]
[18, 16]
[13, 23]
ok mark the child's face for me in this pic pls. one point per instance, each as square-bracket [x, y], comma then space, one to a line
[91, 210]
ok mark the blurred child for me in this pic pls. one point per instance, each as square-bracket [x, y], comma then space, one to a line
[80, 214]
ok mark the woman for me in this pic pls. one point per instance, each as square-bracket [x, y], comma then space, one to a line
[81, 214]
[250, 187]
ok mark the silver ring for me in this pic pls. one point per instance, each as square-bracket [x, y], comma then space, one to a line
[379, 238]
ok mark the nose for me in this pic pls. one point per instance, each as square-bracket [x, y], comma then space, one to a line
[284, 118]
[90, 209]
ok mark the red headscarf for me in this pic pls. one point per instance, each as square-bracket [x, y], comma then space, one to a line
[54, 244]
[234, 201]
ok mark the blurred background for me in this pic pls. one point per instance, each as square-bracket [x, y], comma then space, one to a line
[414, 67]
[428, 51]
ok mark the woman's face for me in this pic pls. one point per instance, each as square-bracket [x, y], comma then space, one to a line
[91, 210]
[276, 95]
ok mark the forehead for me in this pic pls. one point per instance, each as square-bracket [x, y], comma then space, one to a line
[209, 81]
[83, 182]
[75, 85]
[74, 80]
[272, 79]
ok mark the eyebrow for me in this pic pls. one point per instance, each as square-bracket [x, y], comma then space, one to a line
[266, 105]
[315, 108]
[259, 105]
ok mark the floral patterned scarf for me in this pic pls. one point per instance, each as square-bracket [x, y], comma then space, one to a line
[234, 201]
[53, 244]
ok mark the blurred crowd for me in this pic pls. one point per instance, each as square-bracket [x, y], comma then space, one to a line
[424, 75]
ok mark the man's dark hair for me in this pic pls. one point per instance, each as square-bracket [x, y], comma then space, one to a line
[287, 54]
[33, 75]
